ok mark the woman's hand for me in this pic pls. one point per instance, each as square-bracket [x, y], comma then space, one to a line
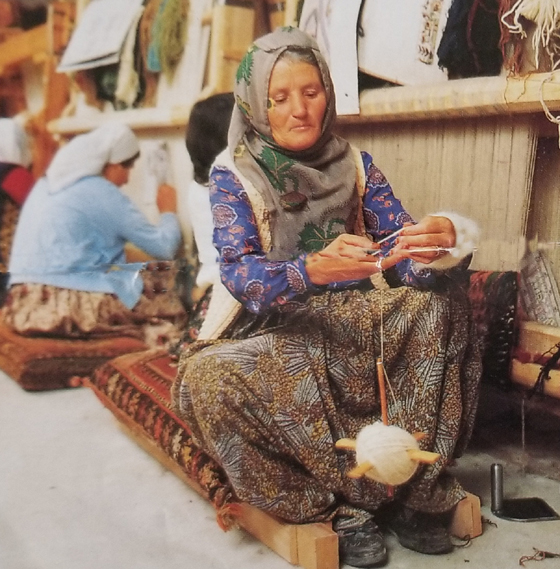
[432, 233]
[166, 200]
[346, 259]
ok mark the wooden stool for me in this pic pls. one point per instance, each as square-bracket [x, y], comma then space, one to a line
[136, 388]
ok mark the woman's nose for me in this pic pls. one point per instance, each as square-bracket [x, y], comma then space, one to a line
[299, 107]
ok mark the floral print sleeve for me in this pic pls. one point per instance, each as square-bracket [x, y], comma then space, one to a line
[262, 285]
[384, 214]
[259, 284]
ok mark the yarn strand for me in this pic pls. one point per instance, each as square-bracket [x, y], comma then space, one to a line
[382, 372]
[386, 453]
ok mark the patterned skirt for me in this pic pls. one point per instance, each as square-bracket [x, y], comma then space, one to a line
[158, 318]
[270, 407]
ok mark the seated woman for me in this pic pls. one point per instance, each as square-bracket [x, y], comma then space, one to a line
[16, 182]
[206, 137]
[68, 274]
[288, 364]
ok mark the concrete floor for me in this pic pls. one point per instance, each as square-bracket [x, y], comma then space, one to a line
[77, 493]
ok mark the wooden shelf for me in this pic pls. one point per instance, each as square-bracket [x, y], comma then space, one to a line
[137, 119]
[473, 97]
[460, 98]
[30, 45]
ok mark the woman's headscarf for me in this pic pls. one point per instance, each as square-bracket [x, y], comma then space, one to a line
[14, 145]
[87, 154]
[289, 181]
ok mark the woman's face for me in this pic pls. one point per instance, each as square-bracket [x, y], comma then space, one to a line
[117, 173]
[297, 104]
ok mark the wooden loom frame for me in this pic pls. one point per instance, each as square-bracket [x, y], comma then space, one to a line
[41, 45]
[537, 339]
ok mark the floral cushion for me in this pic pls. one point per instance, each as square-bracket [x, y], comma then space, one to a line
[40, 364]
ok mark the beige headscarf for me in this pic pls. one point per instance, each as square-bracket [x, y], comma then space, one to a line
[14, 145]
[87, 154]
[302, 190]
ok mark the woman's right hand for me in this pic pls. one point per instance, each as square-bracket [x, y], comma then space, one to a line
[166, 200]
[345, 259]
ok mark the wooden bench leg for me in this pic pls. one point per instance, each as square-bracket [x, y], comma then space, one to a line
[467, 519]
[311, 546]
[317, 546]
[279, 536]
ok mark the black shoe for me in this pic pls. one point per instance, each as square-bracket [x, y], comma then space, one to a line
[362, 546]
[421, 532]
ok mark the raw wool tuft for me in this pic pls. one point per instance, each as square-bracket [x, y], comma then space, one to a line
[467, 235]
[545, 14]
[385, 448]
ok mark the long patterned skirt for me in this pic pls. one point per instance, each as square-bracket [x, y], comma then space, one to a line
[269, 408]
[158, 318]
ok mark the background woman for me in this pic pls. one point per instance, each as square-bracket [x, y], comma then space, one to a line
[205, 138]
[68, 274]
[297, 215]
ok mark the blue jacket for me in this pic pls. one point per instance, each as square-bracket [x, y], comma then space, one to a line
[74, 238]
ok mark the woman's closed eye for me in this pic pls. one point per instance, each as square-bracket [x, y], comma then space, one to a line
[311, 93]
[279, 99]
[285, 98]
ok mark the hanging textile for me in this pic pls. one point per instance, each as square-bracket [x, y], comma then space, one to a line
[470, 44]
[431, 14]
[511, 45]
[169, 34]
[149, 76]
[128, 80]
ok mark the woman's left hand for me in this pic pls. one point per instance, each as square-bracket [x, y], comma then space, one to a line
[432, 233]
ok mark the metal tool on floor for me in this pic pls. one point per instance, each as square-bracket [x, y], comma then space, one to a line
[516, 509]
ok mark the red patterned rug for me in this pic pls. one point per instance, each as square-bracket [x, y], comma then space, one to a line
[137, 389]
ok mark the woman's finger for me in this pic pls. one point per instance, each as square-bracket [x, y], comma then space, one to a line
[426, 240]
[350, 246]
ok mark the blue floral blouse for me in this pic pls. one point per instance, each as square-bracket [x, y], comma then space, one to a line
[262, 285]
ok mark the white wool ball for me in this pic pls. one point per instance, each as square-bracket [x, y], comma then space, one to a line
[385, 448]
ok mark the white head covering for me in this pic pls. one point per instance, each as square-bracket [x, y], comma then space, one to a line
[14, 145]
[87, 154]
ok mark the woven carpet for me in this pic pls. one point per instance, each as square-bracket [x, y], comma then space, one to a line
[493, 296]
[136, 388]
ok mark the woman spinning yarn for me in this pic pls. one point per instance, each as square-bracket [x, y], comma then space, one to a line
[288, 364]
